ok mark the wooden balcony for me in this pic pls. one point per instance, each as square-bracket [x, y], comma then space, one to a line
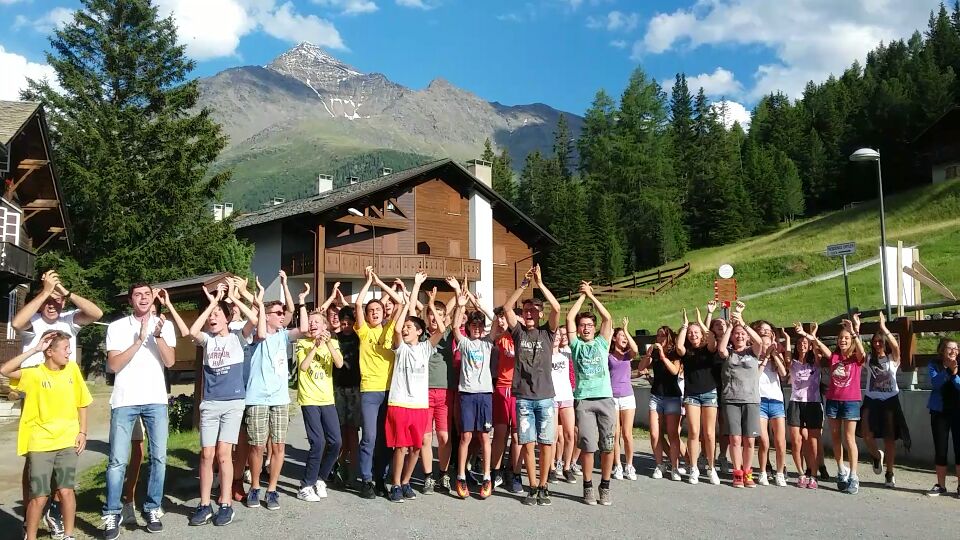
[351, 264]
[16, 263]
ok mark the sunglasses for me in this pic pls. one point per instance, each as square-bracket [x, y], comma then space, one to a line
[275, 313]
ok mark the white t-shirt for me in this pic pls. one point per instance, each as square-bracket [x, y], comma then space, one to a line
[770, 382]
[38, 326]
[141, 381]
[561, 376]
[409, 387]
[882, 379]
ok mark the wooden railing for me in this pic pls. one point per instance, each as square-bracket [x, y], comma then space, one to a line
[352, 263]
[649, 283]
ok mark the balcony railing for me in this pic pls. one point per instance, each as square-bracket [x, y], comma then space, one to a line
[352, 263]
[17, 261]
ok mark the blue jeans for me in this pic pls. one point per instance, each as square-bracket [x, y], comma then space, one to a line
[122, 420]
[323, 432]
[373, 439]
[535, 421]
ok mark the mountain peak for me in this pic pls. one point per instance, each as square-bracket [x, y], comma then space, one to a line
[312, 65]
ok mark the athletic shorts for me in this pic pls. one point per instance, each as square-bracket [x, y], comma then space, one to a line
[706, 399]
[665, 405]
[405, 427]
[803, 414]
[625, 403]
[137, 434]
[563, 404]
[743, 419]
[347, 399]
[49, 471]
[439, 414]
[264, 420]
[535, 421]
[882, 410]
[771, 408]
[476, 412]
[504, 407]
[596, 420]
[843, 410]
[220, 421]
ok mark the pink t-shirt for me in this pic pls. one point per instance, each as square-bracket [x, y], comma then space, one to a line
[844, 378]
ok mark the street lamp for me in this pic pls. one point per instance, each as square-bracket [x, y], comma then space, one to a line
[865, 155]
[373, 249]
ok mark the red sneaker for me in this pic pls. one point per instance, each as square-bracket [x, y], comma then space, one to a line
[738, 479]
[748, 479]
[486, 489]
[462, 490]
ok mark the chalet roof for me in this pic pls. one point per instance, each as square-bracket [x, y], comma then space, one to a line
[13, 115]
[948, 118]
[346, 195]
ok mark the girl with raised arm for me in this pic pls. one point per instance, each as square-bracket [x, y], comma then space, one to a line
[843, 402]
[772, 412]
[698, 352]
[805, 412]
[664, 407]
[623, 349]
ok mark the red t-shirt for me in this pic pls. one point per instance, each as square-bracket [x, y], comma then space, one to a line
[506, 361]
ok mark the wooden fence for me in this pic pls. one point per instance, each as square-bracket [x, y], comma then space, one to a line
[648, 284]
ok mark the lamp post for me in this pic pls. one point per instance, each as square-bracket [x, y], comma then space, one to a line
[865, 155]
[373, 250]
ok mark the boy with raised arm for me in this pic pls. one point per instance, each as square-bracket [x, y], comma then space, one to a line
[376, 366]
[267, 398]
[533, 382]
[593, 394]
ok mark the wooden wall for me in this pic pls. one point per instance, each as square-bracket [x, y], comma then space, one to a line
[508, 248]
[443, 220]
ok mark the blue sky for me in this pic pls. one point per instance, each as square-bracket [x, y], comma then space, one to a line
[558, 52]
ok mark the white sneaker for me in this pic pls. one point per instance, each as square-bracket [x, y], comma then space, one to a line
[657, 473]
[577, 469]
[694, 477]
[321, 488]
[309, 494]
[246, 476]
[681, 469]
[762, 480]
[675, 475]
[128, 514]
[722, 463]
[630, 472]
[780, 480]
[618, 472]
[714, 478]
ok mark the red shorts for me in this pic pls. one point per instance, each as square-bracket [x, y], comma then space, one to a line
[405, 427]
[439, 414]
[504, 407]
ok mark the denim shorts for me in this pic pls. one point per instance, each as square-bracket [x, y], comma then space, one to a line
[771, 408]
[535, 421]
[665, 405]
[706, 399]
[843, 410]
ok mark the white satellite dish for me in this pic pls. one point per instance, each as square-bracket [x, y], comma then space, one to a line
[726, 271]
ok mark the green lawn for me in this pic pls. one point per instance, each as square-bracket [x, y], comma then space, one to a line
[928, 217]
[182, 451]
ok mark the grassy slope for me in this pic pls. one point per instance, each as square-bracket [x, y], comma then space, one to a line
[927, 216]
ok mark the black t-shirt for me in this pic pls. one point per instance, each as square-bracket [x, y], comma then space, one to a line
[348, 376]
[533, 374]
[665, 384]
[698, 371]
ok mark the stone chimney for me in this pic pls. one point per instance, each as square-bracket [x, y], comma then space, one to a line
[217, 212]
[227, 210]
[324, 183]
[483, 170]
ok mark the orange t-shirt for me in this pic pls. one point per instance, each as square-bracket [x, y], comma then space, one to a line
[506, 361]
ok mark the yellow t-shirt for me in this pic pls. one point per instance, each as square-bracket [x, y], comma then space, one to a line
[315, 385]
[376, 357]
[50, 420]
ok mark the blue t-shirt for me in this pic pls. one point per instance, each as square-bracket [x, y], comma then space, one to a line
[223, 366]
[269, 371]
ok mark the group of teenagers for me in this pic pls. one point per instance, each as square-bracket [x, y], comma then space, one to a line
[377, 380]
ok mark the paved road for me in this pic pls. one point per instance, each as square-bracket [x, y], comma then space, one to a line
[646, 507]
[815, 279]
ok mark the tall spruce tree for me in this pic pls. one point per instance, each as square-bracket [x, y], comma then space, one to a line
[133, 150]
[503, 182]
[681, 128]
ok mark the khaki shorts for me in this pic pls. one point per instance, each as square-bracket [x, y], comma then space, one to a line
[347, 400]
[48, 471]
[267, 420]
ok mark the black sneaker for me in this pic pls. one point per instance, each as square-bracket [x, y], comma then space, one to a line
[569, 476]
[202, 515]
[531, 498]
[824, 475]
[224, 516]
[273, 500]
[152, 517]
[552, 477]
[381, 489]
[396, 495]
[54, 520]
[253, 499]
[368, 491]
[937, 490]
[445, 484]
[111, 526]
[543, 497]
[408, 492]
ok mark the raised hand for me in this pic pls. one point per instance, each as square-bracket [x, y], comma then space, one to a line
[699, 316]
[160, 320]
[44, 343]
[420, 277]
[856, 323]
[50, 280]
[453, 283]
[259, 291]
[163, 296]
[538, 276]
[283, 277]
[741, 306]
[368, 272]
[883, 321]
[847, 325]
[462, 299]
[711, 306]
[432, 295]
[813, 328]
[798, 328]
[144, 328]
[624, 322]
[302, 297]
[686, 320]
[221, 291]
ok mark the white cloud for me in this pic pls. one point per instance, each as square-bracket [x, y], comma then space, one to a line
[619, 44]
[53, 19]
[510, 17]
[16, 70]
[238, 18]
[819, 37]
[349, 7]
[719, 83]
[615, 21]
[732, 111]
[8, 2]
[419, 4]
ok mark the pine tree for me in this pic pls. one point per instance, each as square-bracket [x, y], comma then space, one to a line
[681, 128]
[503, 182]
[597, 139]
[606, 235]
[792, 199]
[487, 154]
[563, 147]
[133, 151]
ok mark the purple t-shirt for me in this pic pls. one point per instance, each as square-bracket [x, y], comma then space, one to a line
[804, 382]
[620, 374]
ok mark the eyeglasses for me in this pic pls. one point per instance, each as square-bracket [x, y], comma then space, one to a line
[275, 313]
